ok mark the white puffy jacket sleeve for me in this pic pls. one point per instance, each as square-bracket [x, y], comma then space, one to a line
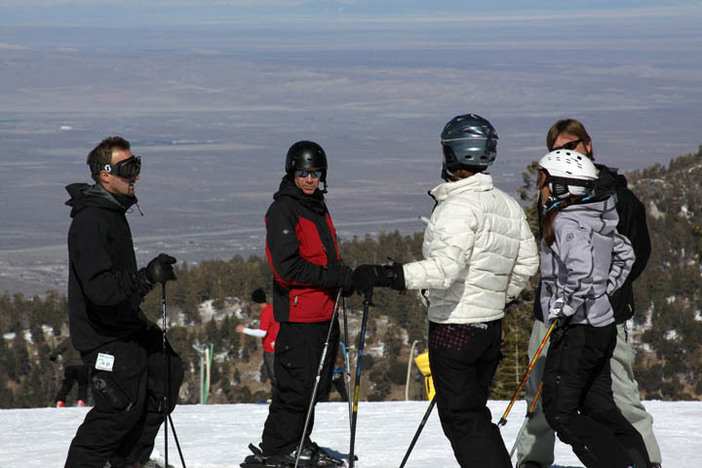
[526, 264]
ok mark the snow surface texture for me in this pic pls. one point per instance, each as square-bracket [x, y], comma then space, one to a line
[218, 435]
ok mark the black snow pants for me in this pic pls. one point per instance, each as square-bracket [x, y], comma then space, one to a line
[128, 410]
[298, 351]
[463, 361]
[578, 402]
[78, 375]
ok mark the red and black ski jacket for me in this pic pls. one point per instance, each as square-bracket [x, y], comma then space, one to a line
[303, 254]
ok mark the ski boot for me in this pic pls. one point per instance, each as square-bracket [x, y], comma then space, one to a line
[309, 458]
[153, 463]
[257, 460]
[322, 455]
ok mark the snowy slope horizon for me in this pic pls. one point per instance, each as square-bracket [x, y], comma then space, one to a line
[218, 435]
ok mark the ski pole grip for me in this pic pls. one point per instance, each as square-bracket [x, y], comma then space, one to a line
[368, 297]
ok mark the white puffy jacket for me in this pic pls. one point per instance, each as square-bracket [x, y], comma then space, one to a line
[478, 252]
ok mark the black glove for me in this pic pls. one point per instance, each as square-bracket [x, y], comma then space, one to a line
[346, 276]
[365, 277]
[560, 329]
[160, 269]
[140, 287]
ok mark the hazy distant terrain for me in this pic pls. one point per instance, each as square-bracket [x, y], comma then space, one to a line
[213, 108]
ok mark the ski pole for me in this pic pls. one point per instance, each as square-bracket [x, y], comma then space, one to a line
[167, 372]
[419, 430]
[347, 362]
[367, 303]
[318, 378]
[503, 419]
[529, 414]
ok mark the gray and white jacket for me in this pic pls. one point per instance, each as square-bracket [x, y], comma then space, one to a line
[588, 261]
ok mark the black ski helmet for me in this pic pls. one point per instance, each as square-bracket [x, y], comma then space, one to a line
[306, 155]
[468, 142]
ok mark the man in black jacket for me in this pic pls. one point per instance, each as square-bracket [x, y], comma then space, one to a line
[535, 449]
[122, 349]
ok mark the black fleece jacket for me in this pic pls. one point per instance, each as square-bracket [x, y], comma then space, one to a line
[104, 290]
[632, 225]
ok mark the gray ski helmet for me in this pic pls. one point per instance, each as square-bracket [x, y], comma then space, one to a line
[306, 155]
[468, 142]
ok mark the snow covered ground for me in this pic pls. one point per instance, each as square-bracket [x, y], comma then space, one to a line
[218, 435]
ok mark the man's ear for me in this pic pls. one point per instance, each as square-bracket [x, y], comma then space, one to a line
[104, 178]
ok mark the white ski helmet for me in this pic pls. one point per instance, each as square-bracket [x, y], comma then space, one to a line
[568, 173]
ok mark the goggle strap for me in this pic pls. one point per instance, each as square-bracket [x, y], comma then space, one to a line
[95, 169]
[567, 181]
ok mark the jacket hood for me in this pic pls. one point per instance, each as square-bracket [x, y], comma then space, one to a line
[86, 195]
[479, 182]
[600, 215]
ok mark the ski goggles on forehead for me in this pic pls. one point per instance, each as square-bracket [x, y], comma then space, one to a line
[304, 174]
[127, 169]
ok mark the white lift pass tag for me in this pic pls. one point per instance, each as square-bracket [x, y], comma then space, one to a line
[104, 362]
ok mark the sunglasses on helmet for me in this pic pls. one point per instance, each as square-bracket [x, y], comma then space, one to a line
[571, 145]
[304, 174]
[126, 169]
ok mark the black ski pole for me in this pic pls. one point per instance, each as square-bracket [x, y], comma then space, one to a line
[318, 377]
[166, 371]
[167, 384]
[529, 414]
[419, 430]
[367, 303]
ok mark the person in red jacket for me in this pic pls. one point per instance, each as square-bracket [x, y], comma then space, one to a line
[267, 331]
[308, 273]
